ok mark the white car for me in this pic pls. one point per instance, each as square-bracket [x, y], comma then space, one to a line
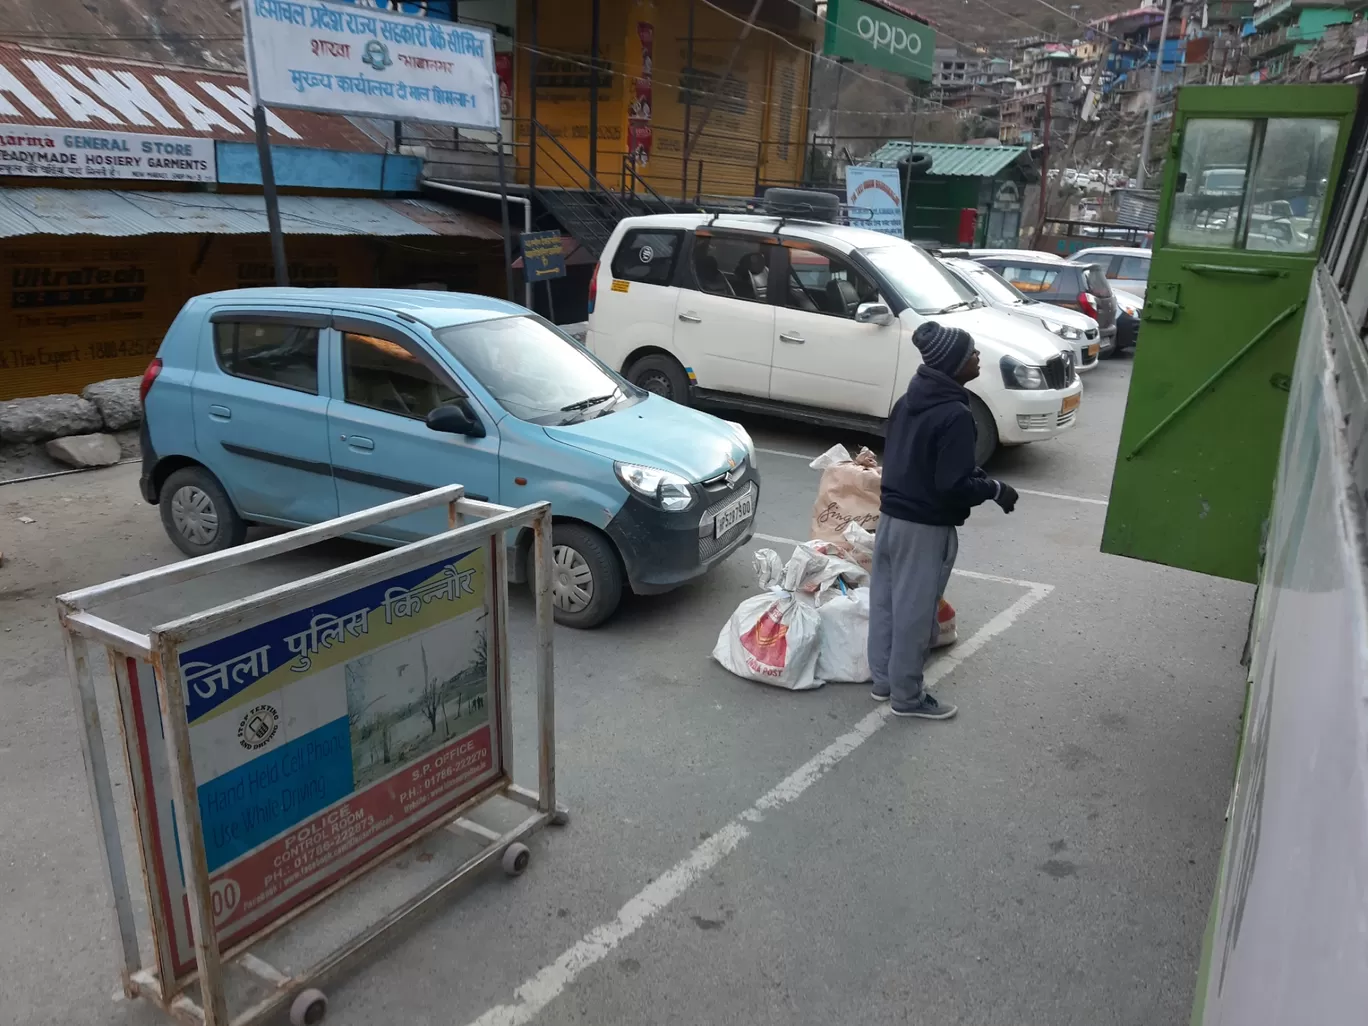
[809, 320]
[1070, 326]
[1125, 267]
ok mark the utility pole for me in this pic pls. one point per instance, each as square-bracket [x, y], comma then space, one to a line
[1078, 122]
[1044, 167]
[1153, 95]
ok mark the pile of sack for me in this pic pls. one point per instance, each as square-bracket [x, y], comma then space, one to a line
[811, 625]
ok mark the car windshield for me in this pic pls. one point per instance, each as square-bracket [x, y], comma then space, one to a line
[921, 281]
[994, 285]
[536, 373]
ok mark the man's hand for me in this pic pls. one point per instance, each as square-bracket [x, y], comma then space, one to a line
[1006, 497]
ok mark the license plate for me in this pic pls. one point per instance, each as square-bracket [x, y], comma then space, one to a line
[1094, 349]
[737, 512]
[1070, 403]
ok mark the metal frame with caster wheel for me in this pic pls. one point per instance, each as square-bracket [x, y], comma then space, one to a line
[469, 769]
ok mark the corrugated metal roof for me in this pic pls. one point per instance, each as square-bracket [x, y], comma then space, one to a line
[951, 159]
[59, 89]
[118, 213]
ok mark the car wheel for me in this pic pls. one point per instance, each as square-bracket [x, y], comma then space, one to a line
[986, 433]
[197, 513]
[586, 576]
[662, 375]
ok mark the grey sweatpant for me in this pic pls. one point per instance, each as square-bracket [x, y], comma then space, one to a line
[912, 564]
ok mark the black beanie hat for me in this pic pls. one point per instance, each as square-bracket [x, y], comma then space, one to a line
[943, 348]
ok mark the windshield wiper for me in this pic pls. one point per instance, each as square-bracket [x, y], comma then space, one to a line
[962, 305]
[584, 404]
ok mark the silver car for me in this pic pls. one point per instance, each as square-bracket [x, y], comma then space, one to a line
[1076, 330]
[1125, 267]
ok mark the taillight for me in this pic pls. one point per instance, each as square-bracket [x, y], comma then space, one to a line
[1087, 302]
[593, 288]
[149, 376]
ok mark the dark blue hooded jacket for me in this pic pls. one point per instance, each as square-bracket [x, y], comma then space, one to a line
[929, 473]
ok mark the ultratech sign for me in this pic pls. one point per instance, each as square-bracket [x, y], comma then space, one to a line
[874, 35]
[26, 151]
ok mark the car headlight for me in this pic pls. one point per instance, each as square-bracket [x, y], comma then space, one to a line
[1016, 374]
[1064, 331]
[745, 437]
[660, 487]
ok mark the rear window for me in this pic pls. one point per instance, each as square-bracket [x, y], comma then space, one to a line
[1133, 268]
[1028, 278]
[647, 255]
[1096, 280]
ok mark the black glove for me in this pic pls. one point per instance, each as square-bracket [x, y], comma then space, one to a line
[1006, 497]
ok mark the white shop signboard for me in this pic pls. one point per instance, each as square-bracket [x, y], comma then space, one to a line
[343, 59]
[31, 151]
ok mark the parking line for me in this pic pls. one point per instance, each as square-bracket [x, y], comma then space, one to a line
[550, 982]
[1023, 491]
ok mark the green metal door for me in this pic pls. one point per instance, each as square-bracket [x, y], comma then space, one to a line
[1248, 183]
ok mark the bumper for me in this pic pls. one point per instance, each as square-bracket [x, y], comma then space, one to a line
[660, 550]
[1032, 416]
[1086, 354]
[1107, 338]
[1127, 331]
[149, 462]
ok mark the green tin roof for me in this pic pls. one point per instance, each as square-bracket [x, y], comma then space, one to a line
[952, 159]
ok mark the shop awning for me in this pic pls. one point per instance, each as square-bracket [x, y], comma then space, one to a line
[956, 160]
[111, 213]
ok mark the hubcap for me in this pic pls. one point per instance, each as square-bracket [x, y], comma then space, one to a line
[193, 513]
[657, 384]
[572, 582]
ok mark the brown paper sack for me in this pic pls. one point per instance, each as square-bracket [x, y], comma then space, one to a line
[847, 492]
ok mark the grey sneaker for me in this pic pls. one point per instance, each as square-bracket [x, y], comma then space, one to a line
[927, 709]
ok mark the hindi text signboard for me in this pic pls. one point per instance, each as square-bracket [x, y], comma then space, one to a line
[543, 256]
[874, 198]
[322, 737]
[346, 59]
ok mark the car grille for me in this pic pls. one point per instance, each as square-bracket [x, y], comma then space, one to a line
[708, 546]
[1059, 372]
[1089, 359]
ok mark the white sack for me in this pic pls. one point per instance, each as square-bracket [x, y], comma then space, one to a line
[843, 654]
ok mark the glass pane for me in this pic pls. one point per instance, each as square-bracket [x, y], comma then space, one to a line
[1211, 183]
[824, 284]
[277, 354]
[647, 256]
[1290, 184]
[737, 268]
[536, 373]
[385, 376]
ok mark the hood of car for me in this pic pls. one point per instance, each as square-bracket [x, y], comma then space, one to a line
[1127, 300]
[1013, 334]
[658, 433]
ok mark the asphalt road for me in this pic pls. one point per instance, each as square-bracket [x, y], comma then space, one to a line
[738, 853]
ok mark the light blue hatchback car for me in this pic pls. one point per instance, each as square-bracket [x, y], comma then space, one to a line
[293, 406]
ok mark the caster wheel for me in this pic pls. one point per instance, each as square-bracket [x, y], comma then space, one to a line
[308, 1008]
[560, 817]
[515, 859]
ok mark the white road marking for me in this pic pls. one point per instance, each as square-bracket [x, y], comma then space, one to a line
[1023, 491]
[974, 574]
[545, 986]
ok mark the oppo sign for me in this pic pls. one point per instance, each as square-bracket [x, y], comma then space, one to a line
[880, 37]
[883, 36]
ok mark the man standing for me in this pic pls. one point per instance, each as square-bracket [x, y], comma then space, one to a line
[930, 482]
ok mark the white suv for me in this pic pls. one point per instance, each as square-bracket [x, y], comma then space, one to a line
[809, 320]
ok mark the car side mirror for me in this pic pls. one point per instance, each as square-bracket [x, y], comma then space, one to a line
[873, 313]
[455, 420]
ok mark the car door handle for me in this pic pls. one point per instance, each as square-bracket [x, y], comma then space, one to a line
[217, 412]
[797, 340]
[361, 442]
[689, 318]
